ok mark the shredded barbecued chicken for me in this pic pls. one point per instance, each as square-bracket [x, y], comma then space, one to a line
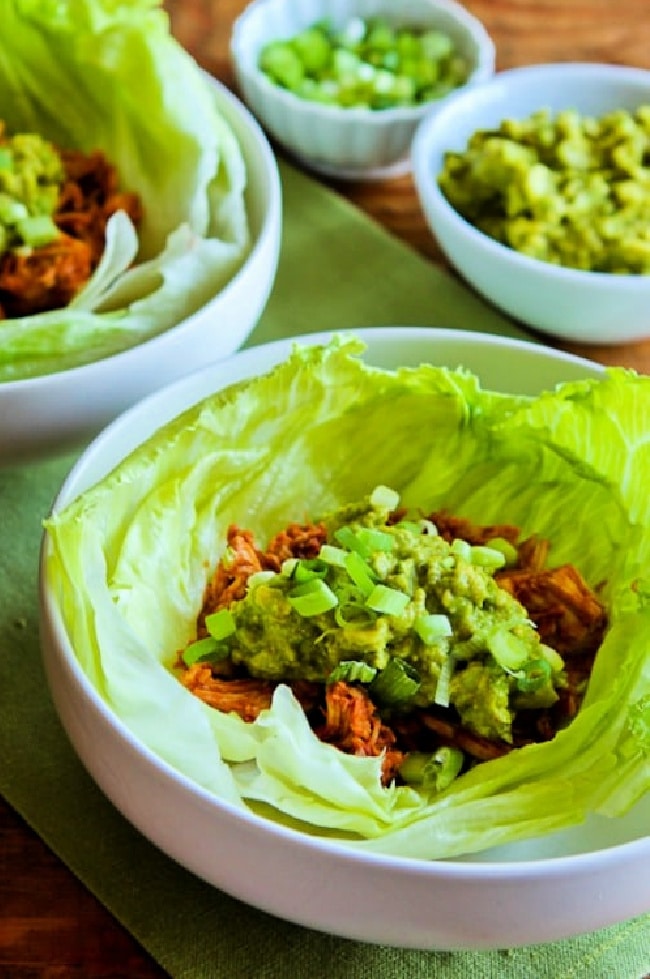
[39, 279]
[353, 725]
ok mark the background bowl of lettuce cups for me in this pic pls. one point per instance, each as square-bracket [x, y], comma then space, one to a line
[586, 194]
[189, 285]
[545, 842]
[310, 117]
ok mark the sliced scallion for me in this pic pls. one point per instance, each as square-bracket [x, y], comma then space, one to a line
[204, 649]
[371, 540]
[220, 624]
[388, 601]
[396, 684]
[312, 598]
[360, 573]
[433, 627]
[384, 498]
[534, 675]
[352, 671]
[307, 569]
[334, 556]
[435, 771]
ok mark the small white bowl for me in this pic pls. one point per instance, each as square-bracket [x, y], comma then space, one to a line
[577, 880]
[588, 307]
[52, 413]
[354, 143]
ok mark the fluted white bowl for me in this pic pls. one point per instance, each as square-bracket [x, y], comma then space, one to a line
[346, 142]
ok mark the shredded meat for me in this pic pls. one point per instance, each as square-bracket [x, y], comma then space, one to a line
[48, 277]
[567, 613]
[245, 697]
[228, 584]
[297, 540]
[353, 725]
[243, 558]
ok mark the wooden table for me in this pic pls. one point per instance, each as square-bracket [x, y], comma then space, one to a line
[50, 925]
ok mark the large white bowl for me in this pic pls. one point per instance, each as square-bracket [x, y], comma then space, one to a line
[589, 307]
[48, 414]
[354, 143]
[561, 885]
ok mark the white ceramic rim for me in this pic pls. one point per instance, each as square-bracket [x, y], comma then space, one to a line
[444, 870]
[454, 103]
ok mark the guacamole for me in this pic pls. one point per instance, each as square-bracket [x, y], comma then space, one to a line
[389, 601]
[568, 189]
[31, 175]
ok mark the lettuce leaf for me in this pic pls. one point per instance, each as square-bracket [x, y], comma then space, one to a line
[106, 74]
[127, 563]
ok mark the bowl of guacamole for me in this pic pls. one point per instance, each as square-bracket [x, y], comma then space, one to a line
[535, 188]
[365, 637]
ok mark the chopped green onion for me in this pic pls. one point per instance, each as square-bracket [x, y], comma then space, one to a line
[436, 771]
[347, 538]
[37, 230]
[259, 578]
[353, 614]
[371, 540]
[384, 498]
[389, 601]
[204, 649]
[312, 598]
[288, 567]
[508, 550]
[396, 684]
[461, 549]
[308, 569]
[352, 671]
[333, 555]
[433, 627]
[487, 557]
[441, 696]
[535, 674]
[428, 527]
[360, 573]
[509, 651]
[6, 159]
[220, 624]
[11, 210]
[552, 657]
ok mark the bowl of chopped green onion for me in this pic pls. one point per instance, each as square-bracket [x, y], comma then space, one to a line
[343, 86]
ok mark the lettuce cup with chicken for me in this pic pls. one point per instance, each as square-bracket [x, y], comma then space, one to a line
[121, 185]
[398, 609]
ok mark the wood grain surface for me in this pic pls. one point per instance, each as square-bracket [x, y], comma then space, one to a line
[50, 925]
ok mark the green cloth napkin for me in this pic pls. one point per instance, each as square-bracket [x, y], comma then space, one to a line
[337, 270]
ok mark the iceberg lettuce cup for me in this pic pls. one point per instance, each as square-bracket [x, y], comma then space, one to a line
[131, 541]
[126, 565]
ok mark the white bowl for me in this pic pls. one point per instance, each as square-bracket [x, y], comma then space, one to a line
[54, 412]
[356, 142]
[567, 883]
[589, 307]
